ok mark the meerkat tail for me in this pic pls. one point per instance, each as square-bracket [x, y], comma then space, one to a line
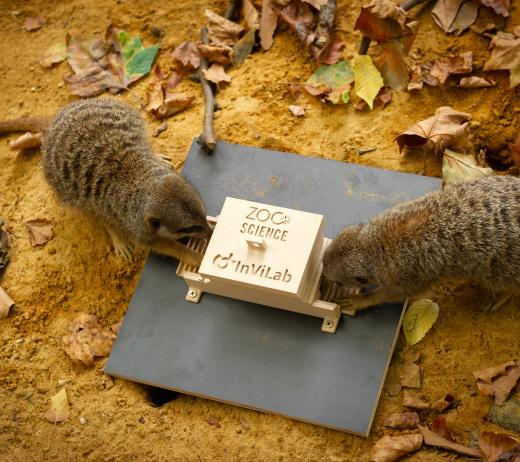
[25, 124]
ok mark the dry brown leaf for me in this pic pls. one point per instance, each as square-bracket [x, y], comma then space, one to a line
[432, 439]
[29, 140]
[499, 446]
[173, 103]
[439, 426]
[332, 54]
[160, 129]
[505, 55]
[488, 22]
[445, 402]
[383, 97]
[390, 448]
[454, 15]
[58, 408]
[32, 23]
[6, 303]
[216, 74]
[54, 55]
[403, 373]
[40, 230]
[487, 375]
[268, 24]
[294, 90]
[416, 79]
[187, 53]
[297, 110]
[402, 420]
[458, 64]
[218, 54]
[411, 401]
[221, 31]
[88, 339]
[499, 6]
[502, 384]
[446, 129]
[476, 82]
[251, 15]
[213, 422]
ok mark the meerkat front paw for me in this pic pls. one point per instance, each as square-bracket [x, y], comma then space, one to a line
[492, 302]
[352, 302]
[122, 247]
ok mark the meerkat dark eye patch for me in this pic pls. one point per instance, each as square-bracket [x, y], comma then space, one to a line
[190, 229]
[155, 223]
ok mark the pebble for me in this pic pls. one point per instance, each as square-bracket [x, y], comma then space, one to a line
[257, 135]
[60, 85]
[38, 432]
[238, 430]
[33, 89]
[61, 383]
[472, 393]
[20, 340]
[82, 420]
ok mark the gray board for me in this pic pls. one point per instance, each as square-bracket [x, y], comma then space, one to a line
[256, 356]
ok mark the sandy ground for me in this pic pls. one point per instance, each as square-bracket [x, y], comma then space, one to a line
[77, 271]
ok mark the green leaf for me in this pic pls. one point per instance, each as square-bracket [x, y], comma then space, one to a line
[334, 80]
[368, 79]
[418, 320]
[459, 167]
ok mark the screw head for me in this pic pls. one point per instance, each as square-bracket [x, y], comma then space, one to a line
[192, 293]
[329, 323]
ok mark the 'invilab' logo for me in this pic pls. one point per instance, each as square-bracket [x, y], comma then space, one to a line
[262, 271]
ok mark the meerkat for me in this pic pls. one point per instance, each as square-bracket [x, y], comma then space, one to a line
[97, 157]
[468, 231]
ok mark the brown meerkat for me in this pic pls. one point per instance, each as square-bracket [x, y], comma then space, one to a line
[97, 157]
[468, 231]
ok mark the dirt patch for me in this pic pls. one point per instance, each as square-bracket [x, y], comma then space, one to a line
[77, 271]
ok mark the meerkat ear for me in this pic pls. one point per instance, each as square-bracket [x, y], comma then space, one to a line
[154, 223]
[361, 280]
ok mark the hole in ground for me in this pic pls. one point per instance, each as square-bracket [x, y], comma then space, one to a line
[160, 396]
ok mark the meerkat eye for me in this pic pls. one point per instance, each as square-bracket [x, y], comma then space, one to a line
[155, 223]
[361, 280]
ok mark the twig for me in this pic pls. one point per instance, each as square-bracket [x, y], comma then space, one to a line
[325, 22]
[11, 207]
[53, 336]
[406, 6]
[364, 151]
[233, 6]
[2, 220]
[207, 139]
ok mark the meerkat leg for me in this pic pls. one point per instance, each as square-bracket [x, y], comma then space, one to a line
[494, 301]
[374, 297]
[165, 160]
[122, 247]
[179, 251]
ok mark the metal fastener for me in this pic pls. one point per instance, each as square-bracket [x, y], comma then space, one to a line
[192, 293]
[329, 324]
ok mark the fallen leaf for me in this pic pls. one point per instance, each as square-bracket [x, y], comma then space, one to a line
[514, 150]
[388, 24]
[443, 403]
[460, 166]
[131, 60]
[476, 82]
[115, 327]
[367, 78]
[458, 64]
[316, 3]
[416, 79]
[213, 422]
[54, 55]
[88, 339]
[499, 6]
[390, 448]
[383, 97]
[218, 54]
[505, 55]
[40, 230]
[268, 24]
[402, 420]
[216, 74]
[499, 446]
[418, 320]
[488, 22]
[403, 373]
[446, 129]
[187, 53]
[455, 15]
[172, 104]
[251, 15]
[297, 110]
[439, 426]
[294, 90]
[29, 140]
[487, 375]
[411, 401]
[221, 31]
[333, 82]
[6, 303]
[160, 129]
[244, 47]
[331, 53]
[432, 439]
[32, 23]
[58, 408]
[502, 384]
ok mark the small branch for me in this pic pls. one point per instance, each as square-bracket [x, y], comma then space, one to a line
[11, 207]
[233, 6]
[207, 139]
[406, 6]
[364, 151]
[325, 22]
[57, 338]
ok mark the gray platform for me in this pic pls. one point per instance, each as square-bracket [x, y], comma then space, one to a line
[255, 356]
